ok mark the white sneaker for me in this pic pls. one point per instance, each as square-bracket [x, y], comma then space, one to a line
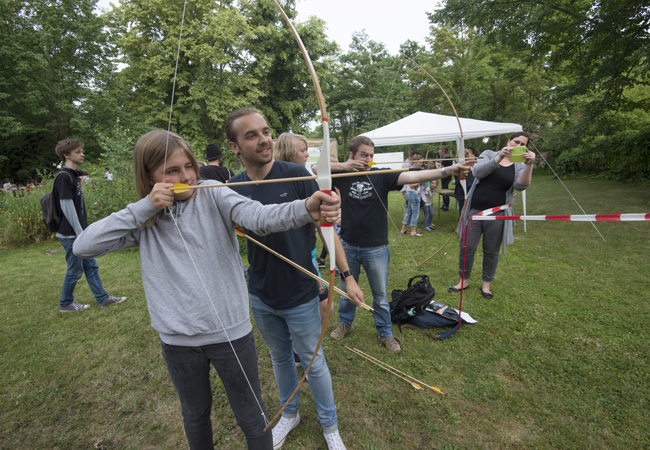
[334, 441]
[282, 429]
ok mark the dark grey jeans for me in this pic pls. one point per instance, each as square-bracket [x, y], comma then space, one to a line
[189, 370]
[492, 232]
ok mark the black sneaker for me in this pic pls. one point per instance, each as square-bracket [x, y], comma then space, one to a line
[74, 306]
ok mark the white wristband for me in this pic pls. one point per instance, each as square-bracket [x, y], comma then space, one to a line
[443, 171]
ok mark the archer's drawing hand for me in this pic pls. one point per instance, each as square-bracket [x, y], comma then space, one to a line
[161, 196]
[353, 291]
[326, 204]
[353, 165]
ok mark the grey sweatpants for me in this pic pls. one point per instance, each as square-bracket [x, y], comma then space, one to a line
[492, 232]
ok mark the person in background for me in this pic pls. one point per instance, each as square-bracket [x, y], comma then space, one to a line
[407, 165]
[67, 191]
[496, 179]
[426, 194]
[215, 170]
[365, 232]
[444, 182]
[412, 196]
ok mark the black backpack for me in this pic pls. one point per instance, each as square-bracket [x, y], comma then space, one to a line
[436, 315]
[51, 211]
[412, 301]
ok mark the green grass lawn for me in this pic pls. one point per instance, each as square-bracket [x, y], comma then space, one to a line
[558, 359]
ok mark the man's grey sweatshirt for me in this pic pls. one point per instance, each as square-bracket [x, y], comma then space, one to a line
[181, 310]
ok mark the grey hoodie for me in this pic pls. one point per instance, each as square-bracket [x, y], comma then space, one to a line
[180, 309]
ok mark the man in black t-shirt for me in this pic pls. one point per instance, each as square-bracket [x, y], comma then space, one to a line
[284, 301]
[215, 170]
[364, 231]
[69, 197]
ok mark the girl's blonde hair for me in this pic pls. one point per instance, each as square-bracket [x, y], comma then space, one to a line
[286, 147]
[149, 154]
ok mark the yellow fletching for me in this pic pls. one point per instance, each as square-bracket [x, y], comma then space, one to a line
[179, 188]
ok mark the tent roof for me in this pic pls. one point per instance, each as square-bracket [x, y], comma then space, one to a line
[422, 127]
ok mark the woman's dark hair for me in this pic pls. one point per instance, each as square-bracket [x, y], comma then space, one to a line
[519, 133]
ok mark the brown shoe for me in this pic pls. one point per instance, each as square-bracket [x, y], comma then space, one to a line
[390, 343]
[341, 331]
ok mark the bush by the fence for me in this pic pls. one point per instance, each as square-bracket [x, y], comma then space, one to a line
[20, 219]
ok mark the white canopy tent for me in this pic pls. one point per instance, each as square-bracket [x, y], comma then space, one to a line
[422, 128]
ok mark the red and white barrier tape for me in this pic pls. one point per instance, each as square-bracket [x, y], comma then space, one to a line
[489, 211]
[571, 218]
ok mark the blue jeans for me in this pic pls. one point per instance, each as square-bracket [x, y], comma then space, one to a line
[413, 200]
[277, 327]
[428, 215]
[189, 370]
[375, 261]
[76, 268]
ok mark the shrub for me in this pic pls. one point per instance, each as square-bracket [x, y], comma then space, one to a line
[20, 219]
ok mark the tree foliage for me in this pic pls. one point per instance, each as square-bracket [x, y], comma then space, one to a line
[369, 90]
[597, 53]
[53, 53]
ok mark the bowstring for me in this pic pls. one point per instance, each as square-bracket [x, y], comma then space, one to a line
[370, 181]
[567, 189]
[168, 211]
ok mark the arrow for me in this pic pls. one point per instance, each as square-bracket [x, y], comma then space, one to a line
[179, 187]
[299, 267]
[395, 371]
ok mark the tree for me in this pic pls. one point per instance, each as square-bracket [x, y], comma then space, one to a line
[53, 52]
[597, 49]
[211, 80]
[369, 90]
[290, 101]
[484, 81]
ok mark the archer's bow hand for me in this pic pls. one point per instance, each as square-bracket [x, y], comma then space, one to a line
[161, 196]
[326, 204]
[459, 169]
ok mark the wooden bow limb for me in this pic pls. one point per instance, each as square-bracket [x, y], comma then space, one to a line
[300, 268]
[415, 383]
[461, 159]
[324, 180]
[178, 187]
